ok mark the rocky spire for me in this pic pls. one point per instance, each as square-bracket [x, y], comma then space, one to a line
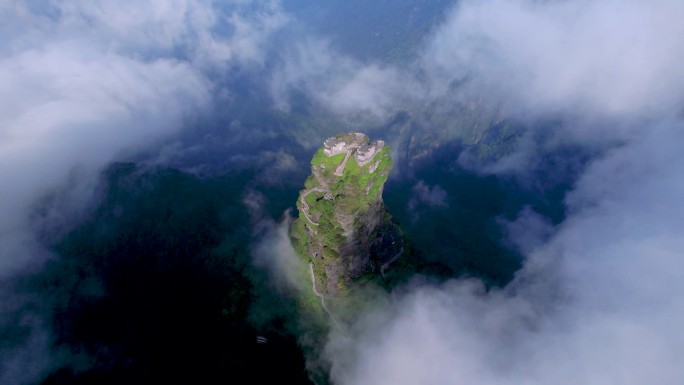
[344, 229]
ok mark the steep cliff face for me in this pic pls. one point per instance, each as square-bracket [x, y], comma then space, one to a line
[344, 229]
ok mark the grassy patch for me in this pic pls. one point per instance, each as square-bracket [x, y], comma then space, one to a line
[328, 162]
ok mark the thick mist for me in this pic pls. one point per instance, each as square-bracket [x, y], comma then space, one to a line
[85, 84]
[537, 149]
[595, 301]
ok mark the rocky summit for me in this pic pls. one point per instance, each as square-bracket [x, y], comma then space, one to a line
[344, 230]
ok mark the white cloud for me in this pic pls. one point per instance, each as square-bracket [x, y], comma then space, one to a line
[596, 301]
[528, 231]
[341, 83]
[607, 67]
[597, 304]
[201, 32]
[274, 253]
[83, 83]
[71, 104]
[434, 196]
[607, 58]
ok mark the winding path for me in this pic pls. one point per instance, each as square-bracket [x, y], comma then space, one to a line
[319, 295]
[305, 205]
[387, 264]
[339, 171]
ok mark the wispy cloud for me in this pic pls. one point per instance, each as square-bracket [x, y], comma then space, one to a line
[607, 58]
[595, 302]
[86, 83]
[339, 82]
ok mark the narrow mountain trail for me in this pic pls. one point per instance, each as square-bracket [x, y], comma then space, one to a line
[321, 297]
[330, 223]
[339, 171]
[305, 205]
[386, 265]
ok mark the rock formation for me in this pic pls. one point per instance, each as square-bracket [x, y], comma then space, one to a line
[344, 230]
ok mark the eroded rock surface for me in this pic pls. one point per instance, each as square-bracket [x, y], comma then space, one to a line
[344, 229]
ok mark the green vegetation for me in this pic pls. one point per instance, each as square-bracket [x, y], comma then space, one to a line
[353, 193]
[362, 180]
[328, 162]
[339, 215]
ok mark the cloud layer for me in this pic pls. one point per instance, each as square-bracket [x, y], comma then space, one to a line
[608, 58]
[88, 82]
[596, 301]
[596, 304]
[85, 83]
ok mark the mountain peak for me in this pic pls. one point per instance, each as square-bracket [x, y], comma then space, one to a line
[344, 229]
